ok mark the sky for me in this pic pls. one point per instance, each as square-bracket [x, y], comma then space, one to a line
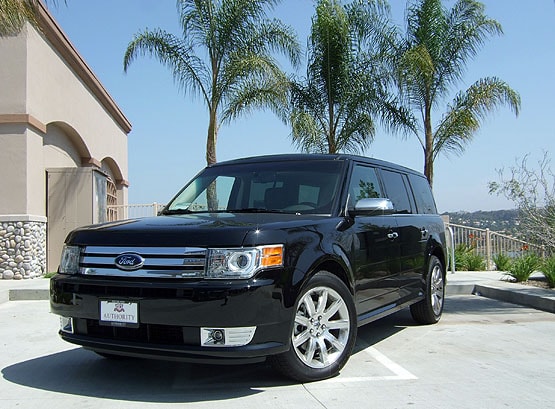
[168, 139]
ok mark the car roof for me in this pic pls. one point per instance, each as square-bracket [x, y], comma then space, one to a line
[316, 157]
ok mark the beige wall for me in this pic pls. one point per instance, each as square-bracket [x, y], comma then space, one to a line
[59, 150]
[54, 93]
[75, 128]
[54, 114]
[13, 57]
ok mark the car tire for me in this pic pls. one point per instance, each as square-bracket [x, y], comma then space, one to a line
[429, 310]
[323, 333]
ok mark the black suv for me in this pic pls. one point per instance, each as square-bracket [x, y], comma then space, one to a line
[279, 257]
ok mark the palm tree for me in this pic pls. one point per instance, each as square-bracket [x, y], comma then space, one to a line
[238, 73]
[345, 89]
[14, 13]
[432, 57]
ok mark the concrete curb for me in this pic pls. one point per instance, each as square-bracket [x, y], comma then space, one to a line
[21, 290]
[23, 294]
[537, 298]
[27, 294]
[459, 289]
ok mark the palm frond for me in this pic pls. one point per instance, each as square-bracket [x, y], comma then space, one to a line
[14, 14]
[189, 71]
[467, 30]
[307, 132]
[253, 81]
[469, 109]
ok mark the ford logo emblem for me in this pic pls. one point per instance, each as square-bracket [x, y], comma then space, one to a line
[129, 261]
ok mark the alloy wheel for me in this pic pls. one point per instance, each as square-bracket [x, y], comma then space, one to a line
[322, 325]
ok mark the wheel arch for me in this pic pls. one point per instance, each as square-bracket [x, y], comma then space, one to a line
[435, 248]
[333, 265]
[335, 268]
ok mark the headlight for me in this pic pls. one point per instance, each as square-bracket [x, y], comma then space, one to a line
[69, 263]
[242, 263]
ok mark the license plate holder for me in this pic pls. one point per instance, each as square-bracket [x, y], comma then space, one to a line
[118, 313]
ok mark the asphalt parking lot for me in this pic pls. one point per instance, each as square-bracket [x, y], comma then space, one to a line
[483, 354]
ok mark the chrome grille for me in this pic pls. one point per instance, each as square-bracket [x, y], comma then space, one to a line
[164, 262]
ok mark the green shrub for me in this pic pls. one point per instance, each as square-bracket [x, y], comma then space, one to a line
[466, 259]
[461, 254]
[548, 270]
[475, 262]
[523, 267]
[502, 262]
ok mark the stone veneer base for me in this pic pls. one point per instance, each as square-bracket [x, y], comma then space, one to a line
[22, 246]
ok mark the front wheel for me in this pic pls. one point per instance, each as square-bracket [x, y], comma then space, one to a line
[324, 331]
[429, 310]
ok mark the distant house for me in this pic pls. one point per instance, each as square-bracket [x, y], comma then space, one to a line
[63, 148]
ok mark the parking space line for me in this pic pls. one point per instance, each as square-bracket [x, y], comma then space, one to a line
[400, 373]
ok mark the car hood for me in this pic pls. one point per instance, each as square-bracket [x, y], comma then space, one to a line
[195, 230]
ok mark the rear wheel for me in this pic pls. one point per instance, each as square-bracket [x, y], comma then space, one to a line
[324, 331]
[429, 310]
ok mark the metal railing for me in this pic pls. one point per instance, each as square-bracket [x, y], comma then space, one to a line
[487, 243]
[133, 211]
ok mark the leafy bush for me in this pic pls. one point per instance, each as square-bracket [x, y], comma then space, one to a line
[548, 270]
[523, 267]
[461, 254]
[466, 259]
[475, 262]
[502, 262]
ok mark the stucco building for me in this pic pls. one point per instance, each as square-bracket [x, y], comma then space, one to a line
[63, 148]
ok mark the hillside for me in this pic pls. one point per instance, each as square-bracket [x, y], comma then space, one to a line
[502, 221]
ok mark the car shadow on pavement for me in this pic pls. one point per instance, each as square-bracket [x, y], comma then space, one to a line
[84, 373]
[382, 329]
[81, 372]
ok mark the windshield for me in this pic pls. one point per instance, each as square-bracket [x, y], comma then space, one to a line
[285, 187]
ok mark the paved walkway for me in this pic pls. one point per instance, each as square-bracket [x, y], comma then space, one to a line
[489, 284]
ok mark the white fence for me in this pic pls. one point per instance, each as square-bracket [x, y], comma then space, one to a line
[133, 211]
[488, 244]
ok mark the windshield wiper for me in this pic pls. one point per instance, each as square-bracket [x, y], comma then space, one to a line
[246, 210]
[176, 211]
[255, 210]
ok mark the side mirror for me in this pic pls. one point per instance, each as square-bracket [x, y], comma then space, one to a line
[373, 206]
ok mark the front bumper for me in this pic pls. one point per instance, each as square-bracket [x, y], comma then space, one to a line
[172, 314]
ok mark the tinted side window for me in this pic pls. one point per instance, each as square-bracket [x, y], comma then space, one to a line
[423, 195]
[397, 191]
[364, 184]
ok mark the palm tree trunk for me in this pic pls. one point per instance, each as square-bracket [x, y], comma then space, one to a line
[332, 146]
[428, 149]
[211, 139]
[211, 194]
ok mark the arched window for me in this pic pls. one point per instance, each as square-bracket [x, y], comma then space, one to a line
[111, 200]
